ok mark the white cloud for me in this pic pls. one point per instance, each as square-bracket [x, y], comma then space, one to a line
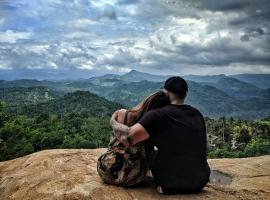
[38, 49]
[101, 4]
[81, 23]
[116, 69]
[124, 69]
[52, 65]
[4, 65]
[199, 24]
[81, 35]
[10, 36]
[33, 67]
[236, 68]
[110, 68]
[2, 20]
[86, 66]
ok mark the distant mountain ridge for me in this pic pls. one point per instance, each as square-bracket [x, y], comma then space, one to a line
[214, 96]
[205, 78]
[136, 76]
[236, 88]
[260, 80]
[132, 76]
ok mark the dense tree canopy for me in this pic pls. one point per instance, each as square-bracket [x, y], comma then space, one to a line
[81, 120]
[21, 135]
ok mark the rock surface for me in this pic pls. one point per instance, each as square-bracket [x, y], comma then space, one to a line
[71, 174]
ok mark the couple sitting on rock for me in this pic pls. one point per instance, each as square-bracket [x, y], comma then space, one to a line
[163, 135]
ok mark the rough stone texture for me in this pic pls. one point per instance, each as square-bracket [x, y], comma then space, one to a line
[71, 174]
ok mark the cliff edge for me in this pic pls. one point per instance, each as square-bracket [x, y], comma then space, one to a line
[71, 174]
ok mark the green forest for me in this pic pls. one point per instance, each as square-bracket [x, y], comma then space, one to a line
[21, 135]
[88, 127]
[228, 137]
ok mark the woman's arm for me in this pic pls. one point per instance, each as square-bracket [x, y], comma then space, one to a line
[121, 115]
[117, 123]
[128, 135]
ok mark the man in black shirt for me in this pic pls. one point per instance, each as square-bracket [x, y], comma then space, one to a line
[179, 134]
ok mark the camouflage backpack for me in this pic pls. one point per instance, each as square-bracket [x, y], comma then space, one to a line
[122, 166]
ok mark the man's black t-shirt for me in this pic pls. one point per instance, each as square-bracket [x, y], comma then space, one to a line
[179, 133]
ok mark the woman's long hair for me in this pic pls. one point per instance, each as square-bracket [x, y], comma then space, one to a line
[156, 100]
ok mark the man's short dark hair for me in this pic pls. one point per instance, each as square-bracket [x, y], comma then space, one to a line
[177, 85]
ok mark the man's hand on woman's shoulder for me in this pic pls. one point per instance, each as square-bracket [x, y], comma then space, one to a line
[118, 116]
[120, 131]
[121, 115]
[127, 135]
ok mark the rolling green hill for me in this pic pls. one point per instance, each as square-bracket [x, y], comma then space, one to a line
[76, 102]
[128, 94]
[27, 95]
[29, 83]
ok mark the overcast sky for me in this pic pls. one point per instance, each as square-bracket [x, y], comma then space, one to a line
[82, 38]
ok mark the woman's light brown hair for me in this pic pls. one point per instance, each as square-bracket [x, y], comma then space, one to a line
[156, 100]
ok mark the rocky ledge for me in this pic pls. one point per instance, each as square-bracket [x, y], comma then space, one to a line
[71, 174]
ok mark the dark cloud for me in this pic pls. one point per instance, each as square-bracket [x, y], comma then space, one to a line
[218, 52]
[251, 33]
[246, 11]
[108, 12]
[126, 2]
[228, 5]
[250, 12]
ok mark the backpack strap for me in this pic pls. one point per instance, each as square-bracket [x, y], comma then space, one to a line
[126, 117]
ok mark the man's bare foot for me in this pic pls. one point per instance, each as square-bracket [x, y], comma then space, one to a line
[149, 173]
[159, 190]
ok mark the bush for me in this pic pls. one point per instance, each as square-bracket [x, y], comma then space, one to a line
[223, 153]
[257, 147]
[242, 133]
